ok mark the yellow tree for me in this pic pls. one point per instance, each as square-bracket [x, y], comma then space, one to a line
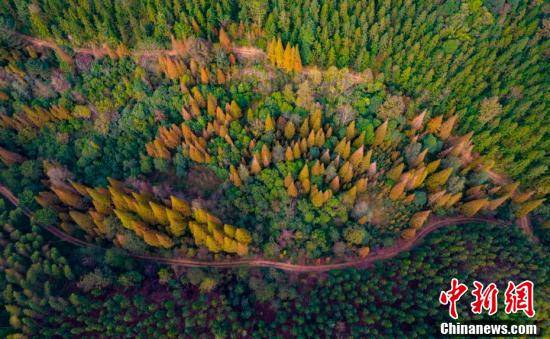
[235, 110]
[360, 140]
[350, 130]
[288, 58]
[212, 245]
[356, 158]
[343, 148]
[398, 190]
[127, 219]
[176, 222]
[471, 208]
[229, 230]
[434, 124]
[288, 180]
[439, 178]
[315, 119]
[380, 134]
[181, 206]
[243, 236]
[346, 172]
[304, 128]
[269, 124]
[365, 163]
[159, 212]
[296, 152]
[289, 155]
[211, 104]
[242, 249]
[447, 128]
[453, 200]
[416, 123]
[292, 190]
[511, 187]
[229, 245]
[319, 138]
[519, 197]
[225, 42]
[395, 173]
[496, 203]
[432, 166]
[204, 76]
[317, 198]
[255, 166]
[419, 218]
[101, 200]
[220, 77]
[279, 54]
[527, 207]
[290, 130]
[84, 221]
[348, 198]
[145, 212]
[335, 184]
[198, 232]
[297, 67]
[265, 155]
[361, 185]
[98, 219]
[234, 176]
[304, 173]
[68, 197]
[317, 168]
[271, 51]
[163, 240]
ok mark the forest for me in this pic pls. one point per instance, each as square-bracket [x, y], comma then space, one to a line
[310, 168]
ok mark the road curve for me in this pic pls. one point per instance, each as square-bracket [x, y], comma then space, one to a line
[384, 253]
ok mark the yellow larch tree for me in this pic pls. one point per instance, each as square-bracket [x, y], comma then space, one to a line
[447, 127]
[290, 130]
[380, 134]
[527, 207]
[419, 218]
[471, 208]
[438, 178]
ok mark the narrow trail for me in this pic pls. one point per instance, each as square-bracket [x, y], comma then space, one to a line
[385, 253]
[242, 52]
[245, 52]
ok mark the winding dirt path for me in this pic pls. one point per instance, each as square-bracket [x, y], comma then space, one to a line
[385, 253]
[245, 52]
[242, 52]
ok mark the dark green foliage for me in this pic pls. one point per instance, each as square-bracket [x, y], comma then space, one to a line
[395, 298]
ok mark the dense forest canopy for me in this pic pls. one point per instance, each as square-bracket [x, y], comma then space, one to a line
[161, 139]
[484, 60]
[91, 293]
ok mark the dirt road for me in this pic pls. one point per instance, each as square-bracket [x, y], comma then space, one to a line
[381, 254]
[246, 52]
